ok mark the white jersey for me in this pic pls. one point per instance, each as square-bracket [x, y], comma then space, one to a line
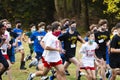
[88, 52]
[44, 40]
[4, 46]
[52, 56]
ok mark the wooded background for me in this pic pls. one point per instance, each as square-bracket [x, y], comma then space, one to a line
[85, 12]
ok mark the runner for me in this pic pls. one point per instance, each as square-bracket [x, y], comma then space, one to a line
[115, 54]
[51, 57]
[88, 52]
[19, 39]
[70, 42]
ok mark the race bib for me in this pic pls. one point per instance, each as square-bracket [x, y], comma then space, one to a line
[73, 45]
[39, 38]
[101, 41]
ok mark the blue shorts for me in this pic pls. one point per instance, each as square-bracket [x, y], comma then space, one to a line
[38, 55]
[107, 56]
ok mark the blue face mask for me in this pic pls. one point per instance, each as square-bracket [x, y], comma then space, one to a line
[91, 41]
[33, 30]
[41, 30]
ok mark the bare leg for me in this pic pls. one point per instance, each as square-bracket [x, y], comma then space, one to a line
[76, 63]
[60, 72]
[93, 75]
[66, 65]
[89, 74]
[103, 67]
[114, 74]
[42, 73]
[9, 71]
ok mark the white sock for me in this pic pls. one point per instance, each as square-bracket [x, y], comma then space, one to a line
[33, 75]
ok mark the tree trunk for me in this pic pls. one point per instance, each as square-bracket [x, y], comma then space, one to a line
[85, 16]
[78, 9]
[59, 9]
[65, 8]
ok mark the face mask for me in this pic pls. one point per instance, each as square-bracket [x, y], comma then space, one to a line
[9, 29]
[95, 30]
[56, 33]
[41, 30]
[32, 30]
[19, 26]
[73, 28]
[91, 41]
[114, 33]
[66, 23]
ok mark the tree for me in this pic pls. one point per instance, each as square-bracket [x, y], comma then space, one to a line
[85, 16]
[29, 11]
[113, 7]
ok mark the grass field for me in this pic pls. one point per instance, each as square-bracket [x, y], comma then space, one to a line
[18, 74]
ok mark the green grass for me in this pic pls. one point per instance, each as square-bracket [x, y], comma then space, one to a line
[23, 74]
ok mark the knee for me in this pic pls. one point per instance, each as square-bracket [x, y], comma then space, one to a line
[94, 78]
[90, 76]
[61, 72]
[114, 73]
[102, 66]
[1, 67]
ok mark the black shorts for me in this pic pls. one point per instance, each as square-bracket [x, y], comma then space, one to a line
[114, 61]
[68, 56]
[4, 62]
[101, 54]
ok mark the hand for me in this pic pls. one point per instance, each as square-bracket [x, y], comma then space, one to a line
[63, 51]
[9, 46]
[58, 49]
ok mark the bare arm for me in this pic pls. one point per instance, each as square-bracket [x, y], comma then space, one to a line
[52, 49]
[113, 50]
[81, 39]
[42, 44]
[3, 40]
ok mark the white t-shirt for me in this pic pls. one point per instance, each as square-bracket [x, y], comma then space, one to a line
[52, 56]
[88, 50]
[4, 46]
[44, 40]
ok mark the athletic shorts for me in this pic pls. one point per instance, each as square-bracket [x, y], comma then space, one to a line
[86, 68]
[68, 56]
[4, 62]
[114, 61]
[4, 53]
[6, 56]
[38, 55]
[101, 54]
[50, 64]
[88, 64]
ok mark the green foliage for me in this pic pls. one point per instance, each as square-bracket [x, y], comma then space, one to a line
[113, 7]
[29, 11]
